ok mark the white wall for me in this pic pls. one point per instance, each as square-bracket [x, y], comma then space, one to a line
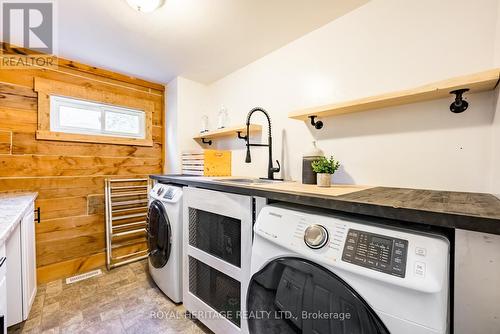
[383, 46]
[186, 101]
[172, 151]
[497, 38]
[495, 164]
[495, 169]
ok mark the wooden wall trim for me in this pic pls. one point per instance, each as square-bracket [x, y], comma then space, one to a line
[110, 96]
[82, 138]
[47, 88]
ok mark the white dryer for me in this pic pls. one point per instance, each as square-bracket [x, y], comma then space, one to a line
[164, 226]
[316, 273]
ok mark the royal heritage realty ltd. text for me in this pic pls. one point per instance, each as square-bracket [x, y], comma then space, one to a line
[248, 315]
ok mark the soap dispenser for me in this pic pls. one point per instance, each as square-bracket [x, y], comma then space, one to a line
[308, 175]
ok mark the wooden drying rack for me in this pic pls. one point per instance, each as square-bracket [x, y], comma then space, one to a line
[126, 219]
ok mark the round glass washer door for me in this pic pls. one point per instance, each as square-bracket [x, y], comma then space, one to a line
[159, 235]
[292, 295]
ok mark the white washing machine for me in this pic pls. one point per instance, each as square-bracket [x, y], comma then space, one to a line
[165, 239]
[314, 273]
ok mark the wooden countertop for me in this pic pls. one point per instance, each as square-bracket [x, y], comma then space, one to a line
[305, 189]
[469, 211]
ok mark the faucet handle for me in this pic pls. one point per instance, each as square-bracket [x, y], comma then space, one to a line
[277, 170]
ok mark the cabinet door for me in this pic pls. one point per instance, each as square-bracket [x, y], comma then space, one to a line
[3, 305]
[217, 249]
[29, 262]
[14, 281]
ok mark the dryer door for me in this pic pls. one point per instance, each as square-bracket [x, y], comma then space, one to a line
[293, 295]
[159, 235]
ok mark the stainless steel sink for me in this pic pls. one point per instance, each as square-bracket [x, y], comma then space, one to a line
[250, 181]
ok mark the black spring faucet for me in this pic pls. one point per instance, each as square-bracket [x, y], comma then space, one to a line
[270, 169]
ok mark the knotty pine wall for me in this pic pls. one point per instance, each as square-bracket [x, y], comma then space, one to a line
[68, 176]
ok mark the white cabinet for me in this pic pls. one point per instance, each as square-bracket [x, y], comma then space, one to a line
[3, 305]
[217, 248]
[28, 251]
[3, 290]
[21, 269]
[14, 277]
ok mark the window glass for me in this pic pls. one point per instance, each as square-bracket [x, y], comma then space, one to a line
[124, 123]
[85, 117]
[79, 118]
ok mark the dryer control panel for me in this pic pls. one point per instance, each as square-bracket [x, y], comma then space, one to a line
[377, 252]
[355, 246]
[166, 193]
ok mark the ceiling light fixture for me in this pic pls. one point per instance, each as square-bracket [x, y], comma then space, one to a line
[146, 6]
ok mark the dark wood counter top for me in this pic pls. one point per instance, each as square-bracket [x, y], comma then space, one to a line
[468, 211]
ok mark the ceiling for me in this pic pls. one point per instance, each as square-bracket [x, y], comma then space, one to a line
[202, 40]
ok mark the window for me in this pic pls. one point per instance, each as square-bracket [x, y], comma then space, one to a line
[76, 116]
[85, 114]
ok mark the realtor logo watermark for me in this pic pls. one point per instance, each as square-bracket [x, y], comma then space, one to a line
[30, 26]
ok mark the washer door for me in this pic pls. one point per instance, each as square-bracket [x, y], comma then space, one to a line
[297, 296]
[159, 235]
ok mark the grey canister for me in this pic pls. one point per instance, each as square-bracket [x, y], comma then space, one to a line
[308, 175]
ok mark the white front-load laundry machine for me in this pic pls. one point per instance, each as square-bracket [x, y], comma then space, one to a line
[316, 273]
[164, 227]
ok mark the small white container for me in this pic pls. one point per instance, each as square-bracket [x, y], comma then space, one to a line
[222, 118]
[324, 180]
[204, 124]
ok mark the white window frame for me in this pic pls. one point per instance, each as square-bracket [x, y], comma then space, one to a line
[58, 101]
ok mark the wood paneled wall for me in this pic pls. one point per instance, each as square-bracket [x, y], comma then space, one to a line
[68, 176]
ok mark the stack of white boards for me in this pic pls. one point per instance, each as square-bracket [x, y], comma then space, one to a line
[193, 163]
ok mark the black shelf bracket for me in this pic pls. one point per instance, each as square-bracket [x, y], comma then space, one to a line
[240, 136]
[204, 141]
[459, 105]
[317, 124]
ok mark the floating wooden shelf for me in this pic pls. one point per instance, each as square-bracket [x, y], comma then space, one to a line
[229, 131]
[477, 82]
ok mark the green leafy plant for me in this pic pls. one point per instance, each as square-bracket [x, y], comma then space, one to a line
[325, 166]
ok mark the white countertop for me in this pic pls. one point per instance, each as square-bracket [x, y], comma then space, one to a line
[12, 206]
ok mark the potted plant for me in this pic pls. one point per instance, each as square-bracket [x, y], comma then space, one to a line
[325, 168]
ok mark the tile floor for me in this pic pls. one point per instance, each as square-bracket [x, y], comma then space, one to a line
[124, 300]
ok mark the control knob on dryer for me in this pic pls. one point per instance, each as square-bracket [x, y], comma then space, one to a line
[316, 236]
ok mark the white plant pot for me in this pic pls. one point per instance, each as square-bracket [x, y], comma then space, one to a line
[324, 180]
